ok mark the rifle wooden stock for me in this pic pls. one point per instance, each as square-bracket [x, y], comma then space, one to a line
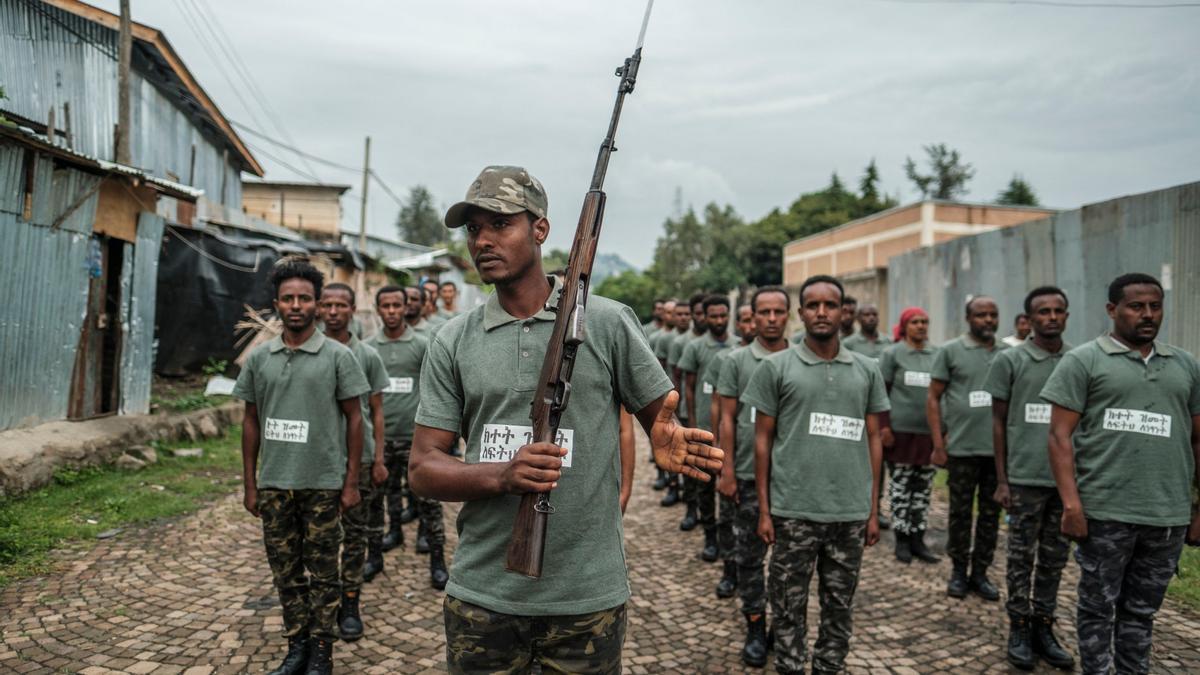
[527, 546]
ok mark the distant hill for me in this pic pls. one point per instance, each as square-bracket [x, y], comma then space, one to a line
[606, 265]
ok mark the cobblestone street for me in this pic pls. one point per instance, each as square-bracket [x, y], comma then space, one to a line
[194, 596]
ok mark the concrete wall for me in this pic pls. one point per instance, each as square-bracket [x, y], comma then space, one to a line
[1080, 251]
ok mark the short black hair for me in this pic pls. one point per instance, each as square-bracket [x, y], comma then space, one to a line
[971, 300]
[659, 301]
[696, 299]
[451, 284]
[821, 279]
[296, 268]
[714, 300]
[763, 290]
[1038, 292]
[1116, 290]
[339, 286]
[388, 289]
[849, 299]
[420, 289]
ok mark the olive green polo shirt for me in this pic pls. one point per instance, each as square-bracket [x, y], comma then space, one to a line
[1133, 453]
[676, 347]
[372, 367]
[871, 348]
[1017, 376]
[302, 439]
[479, 378]
[662, 347]
[402, 358]
[736, 370]
[906, 371]
[798, 337]
[698, 356]
[962, 364]
[820, 460]
[445, 315]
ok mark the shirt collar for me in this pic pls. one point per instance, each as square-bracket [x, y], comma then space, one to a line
[312, 345]
[494, 315]
[1109, 345]
[806, 355]
[970, 342]
[407, 335]
[715, 342]
[1038, 354]
[760, 352]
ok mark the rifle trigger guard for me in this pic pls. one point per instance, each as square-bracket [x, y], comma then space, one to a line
[546, 508]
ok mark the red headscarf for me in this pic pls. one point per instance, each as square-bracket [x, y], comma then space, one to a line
[907, 315]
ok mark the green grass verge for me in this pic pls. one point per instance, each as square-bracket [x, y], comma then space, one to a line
[83, 503]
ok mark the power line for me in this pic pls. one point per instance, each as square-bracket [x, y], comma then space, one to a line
[259, 149]
[388, 190]
[254, 132]
[193, 25]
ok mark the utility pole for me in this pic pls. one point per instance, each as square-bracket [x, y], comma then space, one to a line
[124, 56]
[362, 220]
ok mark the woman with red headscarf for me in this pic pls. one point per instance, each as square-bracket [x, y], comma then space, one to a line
[907, 444]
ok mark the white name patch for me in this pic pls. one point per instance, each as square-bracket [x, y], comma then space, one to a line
[1037, 413]
[500, 442]
[1137, 421]
[286, 431]
[399, 385]
[915, 379]
[835, 426]
[979, 399]
[753, 413]
[708, 388]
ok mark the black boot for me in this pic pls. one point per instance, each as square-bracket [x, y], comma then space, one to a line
[689, 519]
[422, 540]
[727, 586]
[885, 523]
[320, 657]
[438, 576]
[297, 657]
[660, 483]
[672, 496]
[958, 586]
[754, 652]
[349, 622]
[709, 554]
[1020, 649]
[982, 587]
[374, 564]
[409, 513]
[1047, 646]
[903, 548]
[916, 543]
[394, 537]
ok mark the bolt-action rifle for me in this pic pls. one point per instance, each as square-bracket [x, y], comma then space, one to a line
[528, 543]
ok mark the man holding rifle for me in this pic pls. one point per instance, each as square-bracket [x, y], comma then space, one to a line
[480, 374]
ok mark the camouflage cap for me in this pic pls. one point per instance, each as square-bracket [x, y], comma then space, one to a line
[500, 189]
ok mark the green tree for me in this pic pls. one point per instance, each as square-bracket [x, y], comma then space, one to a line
[554, 259]
[1018, 193]
[948, 174]
[633, 288]
[419, 221]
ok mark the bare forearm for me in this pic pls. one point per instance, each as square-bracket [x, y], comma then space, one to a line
[689, 380]
[1062, 465]
[434, 474]
[933, 415]
[875, 448]
[1000, 440]
[250, 440]
[763, 440]
[377, 422]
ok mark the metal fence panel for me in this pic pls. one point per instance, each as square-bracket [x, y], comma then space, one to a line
[137, 347]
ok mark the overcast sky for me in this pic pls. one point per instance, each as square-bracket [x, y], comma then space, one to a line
[746, 103]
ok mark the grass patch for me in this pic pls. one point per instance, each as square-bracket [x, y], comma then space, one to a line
[83, 503]
[1185, 588]
[189, 402]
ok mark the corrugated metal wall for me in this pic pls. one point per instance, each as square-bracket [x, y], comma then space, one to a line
[137, 346]
[50, 57]
[1080, 251]
[44, 273]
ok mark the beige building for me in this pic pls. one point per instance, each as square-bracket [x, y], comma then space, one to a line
[311, 209]
[858, 251]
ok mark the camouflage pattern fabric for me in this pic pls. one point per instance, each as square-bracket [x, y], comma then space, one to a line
[908, 494]
[479, 640]
[749, 550]
[687, 490]
[972, 477]
[726, 512]
[501, 189]
[429, 514]
[395, 457]
[358, 530]
[1124, 570]
[835, 551]
[1033, 532]
[302, 533]
[706, 502]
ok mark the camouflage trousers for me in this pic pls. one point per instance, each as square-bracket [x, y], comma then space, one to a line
[706, 502]
[749, 550]
[358, 528]
[302, 532]
[429, 511]
[908, 494]
[726, 512]
[1033, 532]
[1124, 570]
[479, 640]
[835, 550]
[972, 478]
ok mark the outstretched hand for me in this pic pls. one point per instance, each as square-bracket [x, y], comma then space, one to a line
[679, 449]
